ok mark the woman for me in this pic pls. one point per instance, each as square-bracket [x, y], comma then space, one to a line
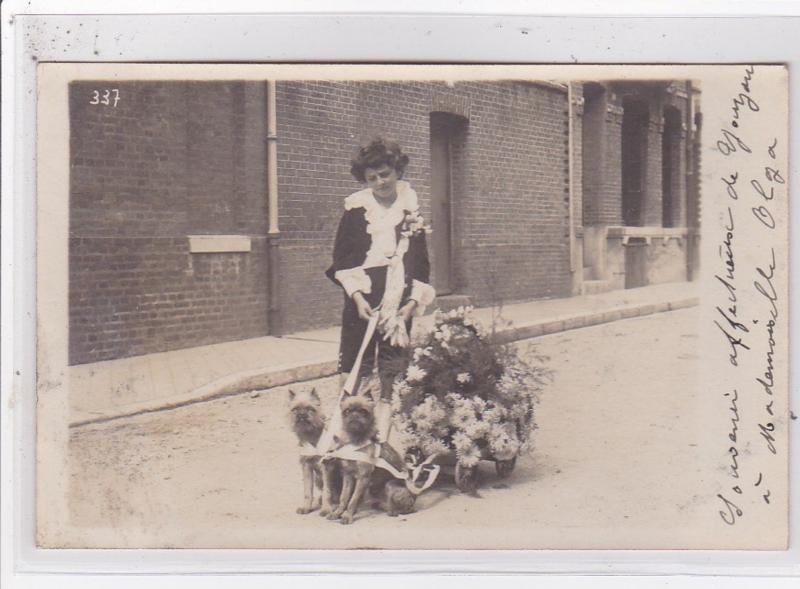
[380, 259]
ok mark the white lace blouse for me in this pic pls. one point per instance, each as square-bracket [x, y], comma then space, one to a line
[381, 223]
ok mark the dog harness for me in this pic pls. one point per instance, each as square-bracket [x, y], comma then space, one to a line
[369, 451]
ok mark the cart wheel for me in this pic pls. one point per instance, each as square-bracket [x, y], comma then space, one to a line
[505, 467]
[466, 479]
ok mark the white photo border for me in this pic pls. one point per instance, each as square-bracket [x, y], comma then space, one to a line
[35, 32]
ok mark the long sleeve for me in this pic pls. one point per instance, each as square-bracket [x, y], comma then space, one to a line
[418, 273]
[419, 267]
[348, 254]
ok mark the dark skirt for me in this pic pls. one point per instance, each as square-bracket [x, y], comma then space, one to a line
[353, 329]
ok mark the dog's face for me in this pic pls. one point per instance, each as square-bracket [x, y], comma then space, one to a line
[304, 408]
[358, 416]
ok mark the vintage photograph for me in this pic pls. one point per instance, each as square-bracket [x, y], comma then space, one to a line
[412, 307]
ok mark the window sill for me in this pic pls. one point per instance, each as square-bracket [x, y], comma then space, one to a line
[217, 244]
[648, 233]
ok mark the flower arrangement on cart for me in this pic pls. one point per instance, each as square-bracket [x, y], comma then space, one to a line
[466, 397]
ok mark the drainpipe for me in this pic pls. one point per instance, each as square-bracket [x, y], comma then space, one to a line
[571, 187]
[273, 233]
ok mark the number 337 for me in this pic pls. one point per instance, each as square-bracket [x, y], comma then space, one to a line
[108, 97]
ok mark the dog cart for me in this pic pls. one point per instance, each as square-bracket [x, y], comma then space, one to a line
[466, 477]
[466, 398]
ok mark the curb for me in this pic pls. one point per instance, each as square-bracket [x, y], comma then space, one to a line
[243, 382]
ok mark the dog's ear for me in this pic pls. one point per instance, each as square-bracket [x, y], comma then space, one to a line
[314, 394]
[367, 394]
[291, 395]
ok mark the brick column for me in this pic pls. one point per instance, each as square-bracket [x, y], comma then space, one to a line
[577, 155]
[611, 189]
[652, 205]
[679, 206]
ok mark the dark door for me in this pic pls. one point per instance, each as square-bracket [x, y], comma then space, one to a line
[441, 206]
[636, 263]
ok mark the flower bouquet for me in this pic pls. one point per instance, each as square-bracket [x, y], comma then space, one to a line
[466, 398]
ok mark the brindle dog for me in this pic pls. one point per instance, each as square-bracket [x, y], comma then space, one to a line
[358, 424]
[308, 424]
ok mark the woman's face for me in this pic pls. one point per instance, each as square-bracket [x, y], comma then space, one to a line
[382, 181]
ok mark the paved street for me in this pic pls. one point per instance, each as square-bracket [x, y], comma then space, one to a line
[616, 463]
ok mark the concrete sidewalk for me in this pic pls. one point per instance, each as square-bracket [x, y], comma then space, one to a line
[116, 388]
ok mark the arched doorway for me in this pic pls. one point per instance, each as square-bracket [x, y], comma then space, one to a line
[447, 135]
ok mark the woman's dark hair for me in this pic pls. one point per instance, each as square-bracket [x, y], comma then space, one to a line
[377, 154]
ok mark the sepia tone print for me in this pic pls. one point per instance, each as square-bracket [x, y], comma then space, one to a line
[251, 337]
[513, 211]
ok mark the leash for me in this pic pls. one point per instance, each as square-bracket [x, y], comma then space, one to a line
[352, 452]
[335, 423]
[366, 453]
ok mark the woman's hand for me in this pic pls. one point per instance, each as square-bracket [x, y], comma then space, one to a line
[364, 310]
[407, 310]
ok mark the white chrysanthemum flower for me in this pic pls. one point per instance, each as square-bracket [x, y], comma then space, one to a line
[520, 410]
[494, 415]
[504, 446]
[464, 377]
[477, 429]
[461, 441]
[415, 373]
[479, 405]
[470, 457]
[422, 419]
[400, 387]
[418, 353]
[405, 439]
[454, 398]
[435, 404]
[458, 402]
[433, 445]
[462, 415]
[429, 414]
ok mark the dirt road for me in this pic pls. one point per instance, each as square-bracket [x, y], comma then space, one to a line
[616, 464]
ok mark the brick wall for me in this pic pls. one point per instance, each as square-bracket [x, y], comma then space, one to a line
[181, 158]
[510, 212]
[513, 220]
[170, 160]
[678, 101]
[593, 154]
